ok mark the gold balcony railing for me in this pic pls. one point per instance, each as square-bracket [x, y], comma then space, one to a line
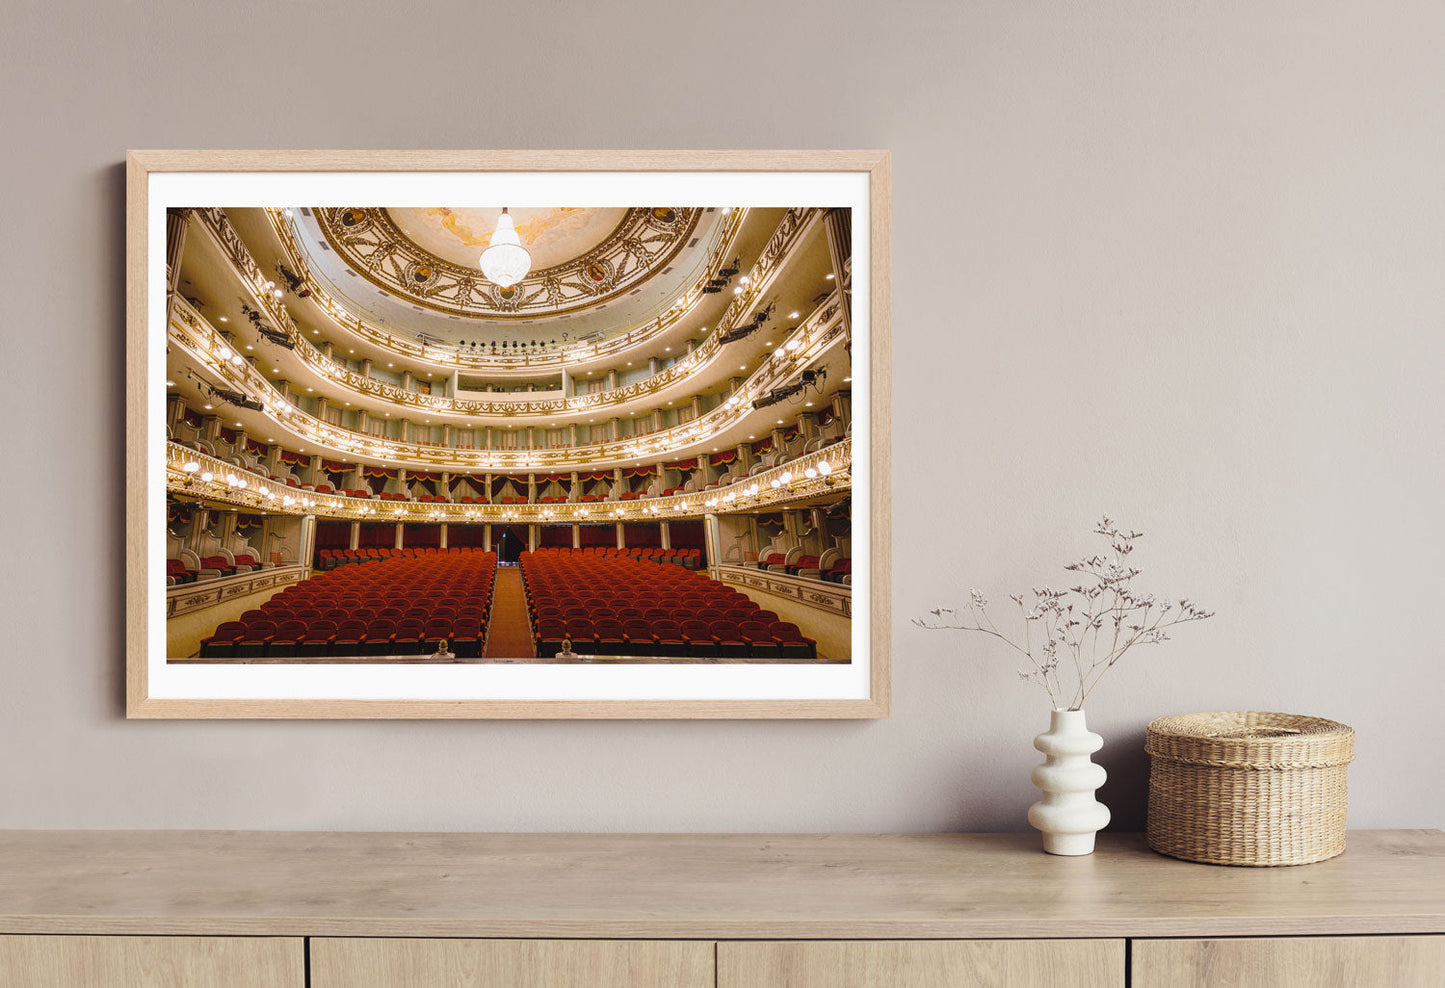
[192, 334]
[450, 357]
[822, 472]
[760, 279]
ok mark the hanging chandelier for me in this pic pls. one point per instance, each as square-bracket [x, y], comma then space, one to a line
[505, 262]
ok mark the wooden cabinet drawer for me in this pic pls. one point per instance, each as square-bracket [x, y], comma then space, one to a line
[153, 962]
[403, 963]
[1290, 962]
[918, 963]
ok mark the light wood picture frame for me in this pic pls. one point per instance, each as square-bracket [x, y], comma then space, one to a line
[180, 354]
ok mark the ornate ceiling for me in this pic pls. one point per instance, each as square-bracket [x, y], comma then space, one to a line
[553, 236]
[582, 258]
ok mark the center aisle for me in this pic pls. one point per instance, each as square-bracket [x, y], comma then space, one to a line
[509, 636]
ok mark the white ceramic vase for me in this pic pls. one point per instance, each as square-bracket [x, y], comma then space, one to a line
[1068, 815]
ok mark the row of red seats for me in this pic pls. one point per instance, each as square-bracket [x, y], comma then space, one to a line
[835, 573]
[178, 570]
[689, 557]
[401, 606]
[690, 639]
[331, 558]
[617, 606]
[509, 499]
[324, 637]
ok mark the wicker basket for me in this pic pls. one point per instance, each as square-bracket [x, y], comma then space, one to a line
[1245, 788]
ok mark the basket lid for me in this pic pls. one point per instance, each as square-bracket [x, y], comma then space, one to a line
[1251, 739]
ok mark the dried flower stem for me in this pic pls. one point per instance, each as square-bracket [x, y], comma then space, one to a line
[1076, 620]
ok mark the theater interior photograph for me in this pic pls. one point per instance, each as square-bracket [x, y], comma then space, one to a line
[508, 435]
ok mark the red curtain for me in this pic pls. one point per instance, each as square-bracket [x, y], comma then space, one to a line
[377, 535]
[333, 534]
[686, 534]
[422, 536]
[642, 534]
[459, 534]
[558, 536]
[599, 535]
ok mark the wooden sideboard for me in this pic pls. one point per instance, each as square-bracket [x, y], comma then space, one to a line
[264, 909]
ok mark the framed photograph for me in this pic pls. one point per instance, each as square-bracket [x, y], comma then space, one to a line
[490, 434]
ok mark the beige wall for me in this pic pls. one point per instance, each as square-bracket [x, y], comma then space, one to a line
[1181, 263]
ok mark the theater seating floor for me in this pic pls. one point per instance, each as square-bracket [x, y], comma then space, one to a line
[510, 636]
[400, 604]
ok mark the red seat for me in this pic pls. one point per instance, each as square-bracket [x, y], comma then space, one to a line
[218, 563]
[611, 638]
[583, 636]
[759, 639]
[467, 639]
[408, 637]
[730, 641]
[378, 637]
[791, 642]
[803, 562]
[222, 642]
[177, 569]
[670, 639]
[287, 638]
[317, 640]
[548, 638]
[349, 636]
[435, 631]
[255, 638]
[700, 642]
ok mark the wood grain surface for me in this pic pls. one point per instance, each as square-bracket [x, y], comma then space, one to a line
[152, 962]
[1299, 962]
[662, 886]
[388, 963]
[955, 963]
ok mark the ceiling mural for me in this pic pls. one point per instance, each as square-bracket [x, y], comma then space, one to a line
[581, 257]
[552, 236]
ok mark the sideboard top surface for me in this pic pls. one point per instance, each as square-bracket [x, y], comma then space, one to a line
[729, 886]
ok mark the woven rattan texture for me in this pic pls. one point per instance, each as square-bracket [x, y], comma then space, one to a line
[1248, 788]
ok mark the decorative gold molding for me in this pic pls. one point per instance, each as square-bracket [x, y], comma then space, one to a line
[745, 494]
[187, 597]
[760, 279]
[369, 242]
[831, 597]
[190, 332]
[284, 226]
